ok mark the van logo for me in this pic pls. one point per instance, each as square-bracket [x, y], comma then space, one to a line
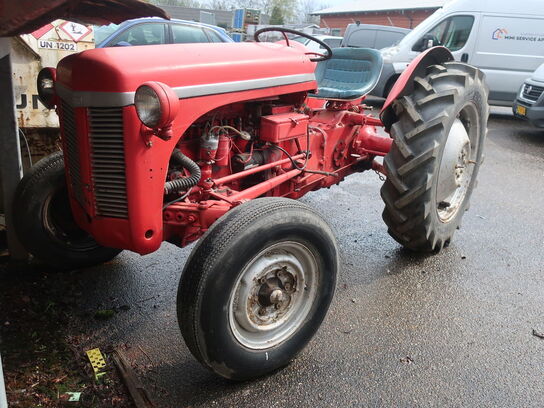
[499, 33]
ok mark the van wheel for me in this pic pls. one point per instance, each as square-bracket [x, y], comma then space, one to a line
[437, 149]
[257, 287]
[44, 222]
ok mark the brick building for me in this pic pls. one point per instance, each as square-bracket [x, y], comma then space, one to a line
[398, 13]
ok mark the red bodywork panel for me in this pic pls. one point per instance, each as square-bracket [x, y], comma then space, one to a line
[123, 69]
[261, 86]
[405, 83]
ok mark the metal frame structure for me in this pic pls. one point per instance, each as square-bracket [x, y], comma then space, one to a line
[10, 153]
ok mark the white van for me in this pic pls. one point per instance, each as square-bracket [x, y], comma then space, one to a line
[372, 35]
[503, 38]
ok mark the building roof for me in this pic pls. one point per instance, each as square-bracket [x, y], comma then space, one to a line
[364, 6]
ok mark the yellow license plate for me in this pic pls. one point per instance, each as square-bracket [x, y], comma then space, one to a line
[521, 110]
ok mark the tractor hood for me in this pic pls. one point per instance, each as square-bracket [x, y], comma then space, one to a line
[190, 69]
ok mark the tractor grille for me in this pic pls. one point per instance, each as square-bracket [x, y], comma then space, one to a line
[72, 151]
[108, 162]
[532, 92]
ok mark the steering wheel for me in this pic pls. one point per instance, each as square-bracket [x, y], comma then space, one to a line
[285, 31]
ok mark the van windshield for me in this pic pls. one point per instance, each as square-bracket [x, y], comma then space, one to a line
[452, 32]
[421, 29]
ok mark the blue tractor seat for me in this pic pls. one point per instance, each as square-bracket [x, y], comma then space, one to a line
[350, 74]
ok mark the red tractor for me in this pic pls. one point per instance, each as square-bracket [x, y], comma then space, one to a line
[214, 142]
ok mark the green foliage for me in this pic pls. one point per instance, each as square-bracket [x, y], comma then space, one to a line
[277, 16]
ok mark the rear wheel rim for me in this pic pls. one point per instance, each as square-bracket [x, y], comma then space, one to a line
[457, 164]
[273, 295]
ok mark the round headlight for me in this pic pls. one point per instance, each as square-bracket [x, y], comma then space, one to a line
[156, 104]
[46, 87]
[148, 106]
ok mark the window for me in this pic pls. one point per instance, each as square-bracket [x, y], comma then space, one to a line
[104, 31]
[302, 40]
[214, 36]
[453, 32]
[362, 38]
[182, 34]
[332, 42]
[386, 38]
[142, 34]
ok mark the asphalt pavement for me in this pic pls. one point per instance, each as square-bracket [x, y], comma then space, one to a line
[453, 329]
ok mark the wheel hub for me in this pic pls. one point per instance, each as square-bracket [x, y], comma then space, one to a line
[455, 171]
[273, 295]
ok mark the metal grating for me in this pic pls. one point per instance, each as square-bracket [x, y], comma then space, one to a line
[108, 162]
[532, 92]
[71, 151]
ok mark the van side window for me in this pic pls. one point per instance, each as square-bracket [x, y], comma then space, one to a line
[386, 38]
[331, 42]
[452, 32]
[362, 38]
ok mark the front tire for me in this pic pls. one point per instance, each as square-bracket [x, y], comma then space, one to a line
[44, 222]
[437, 150]
[257, 287]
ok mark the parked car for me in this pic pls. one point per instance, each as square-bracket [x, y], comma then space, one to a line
[331, 41]
[153, 31]
[373, 35]
[503, 38]
[529, 104]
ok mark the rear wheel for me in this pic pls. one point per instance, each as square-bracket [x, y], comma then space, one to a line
[434, 160]
[257, 287]
[44, 222]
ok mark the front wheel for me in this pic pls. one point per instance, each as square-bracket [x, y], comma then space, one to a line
[437, 150]
[44, 222]
[257, 287]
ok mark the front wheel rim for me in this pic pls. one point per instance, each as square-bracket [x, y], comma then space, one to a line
[273, 295]
[60, 226]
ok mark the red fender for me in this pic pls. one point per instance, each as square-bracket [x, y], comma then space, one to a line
[405, 82]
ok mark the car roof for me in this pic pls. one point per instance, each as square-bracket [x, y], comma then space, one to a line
[134, 21]
[129, 23]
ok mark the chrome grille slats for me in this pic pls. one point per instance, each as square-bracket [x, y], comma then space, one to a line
[72, 151]
[532, 92]
[108, 162]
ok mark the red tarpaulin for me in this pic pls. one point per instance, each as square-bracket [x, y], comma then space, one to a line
[25, 16]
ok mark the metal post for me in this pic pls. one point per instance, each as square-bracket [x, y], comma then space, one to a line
[11, 169]
[3, 398]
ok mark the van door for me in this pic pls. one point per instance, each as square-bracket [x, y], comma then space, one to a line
[457, 33]
[508, 50]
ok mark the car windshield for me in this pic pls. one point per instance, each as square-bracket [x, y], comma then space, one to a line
[302, 40]
[103, 32]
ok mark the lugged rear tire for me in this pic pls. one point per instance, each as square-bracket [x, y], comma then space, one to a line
[450, 94]
[44, 222]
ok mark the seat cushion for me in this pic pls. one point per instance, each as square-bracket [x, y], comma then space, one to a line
[350, 74]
